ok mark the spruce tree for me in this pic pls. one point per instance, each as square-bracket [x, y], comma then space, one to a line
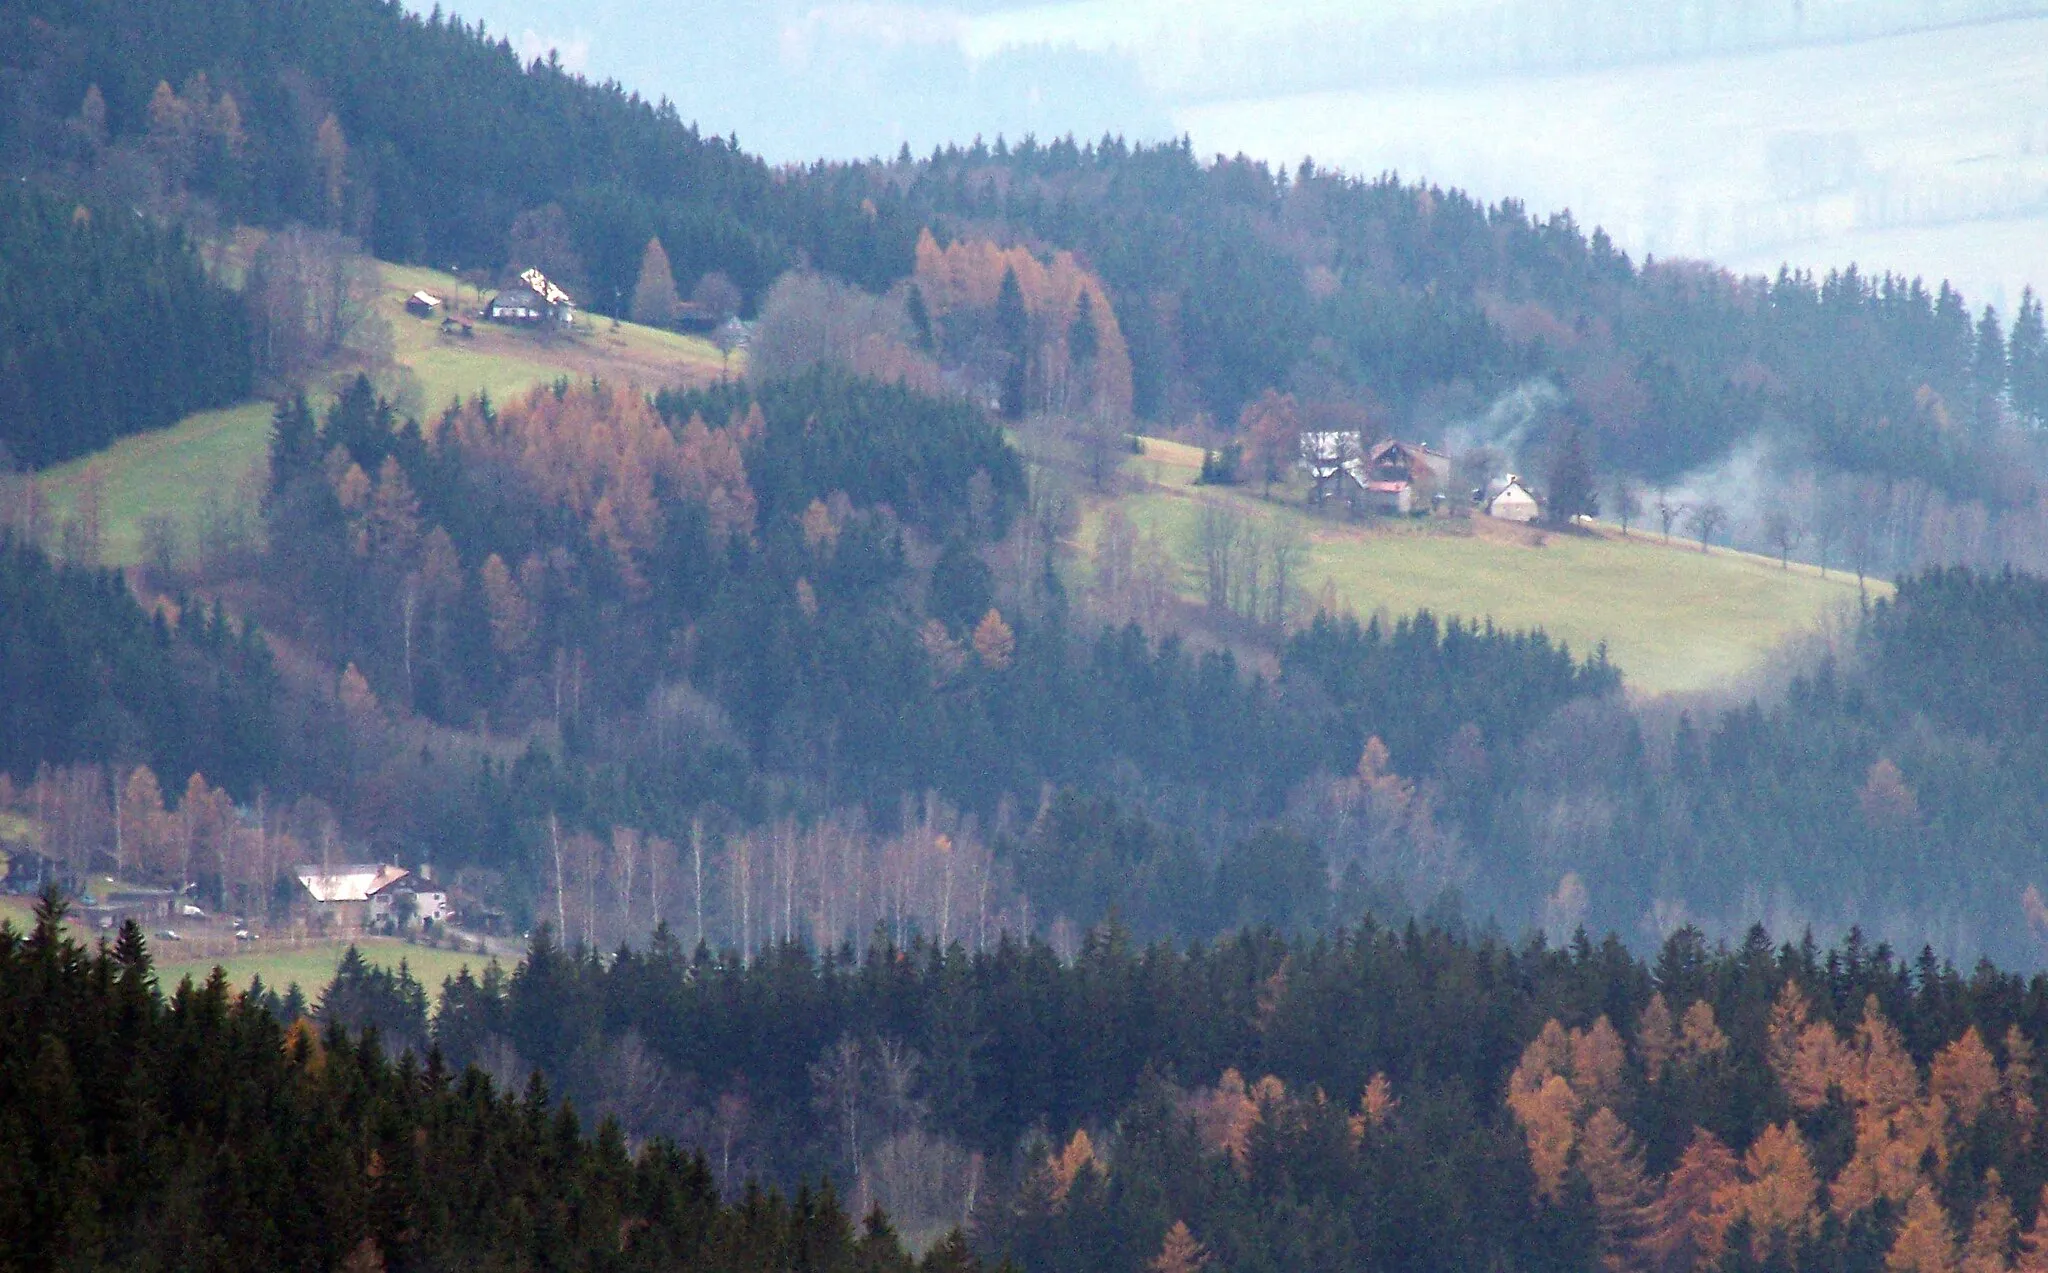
[1083, 341]
[2027, 361]
[1988, 370]
[655, 299]
[920, 319]
[1571, 480]
[1012, 331]
[294, 442]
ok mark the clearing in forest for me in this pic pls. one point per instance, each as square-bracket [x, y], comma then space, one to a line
[312, 966]
[1673, 619]
[198, 472]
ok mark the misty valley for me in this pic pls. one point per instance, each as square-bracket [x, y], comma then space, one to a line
[572, 697]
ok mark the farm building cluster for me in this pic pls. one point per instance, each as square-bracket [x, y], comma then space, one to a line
[535, 300]
[1394, 478]
[344, 898]
[365, 896]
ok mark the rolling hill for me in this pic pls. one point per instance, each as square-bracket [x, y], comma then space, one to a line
[197, 472]
[1673, 619]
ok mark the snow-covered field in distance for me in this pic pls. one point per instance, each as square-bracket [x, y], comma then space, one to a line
[1923, 154]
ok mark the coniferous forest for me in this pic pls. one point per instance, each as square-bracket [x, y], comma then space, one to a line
[196, 1130]
[903, 872]
[109, 327]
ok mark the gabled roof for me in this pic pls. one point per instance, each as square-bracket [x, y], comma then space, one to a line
[1329, 447]
[1513, 485]
[1422, 448]
[543, 288]
[355, 882]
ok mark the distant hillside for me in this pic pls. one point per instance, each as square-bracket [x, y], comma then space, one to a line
[197, 475]
[1416, 308]
[424, 137]
[1924, 152]
[1670, 617]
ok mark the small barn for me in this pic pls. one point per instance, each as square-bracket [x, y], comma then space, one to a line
[354, 896]
[28, 872]
[423, 305]
[146, 906]
[695, 316]
[1511, 501]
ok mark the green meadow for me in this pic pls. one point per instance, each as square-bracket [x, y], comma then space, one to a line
[202, 467]
[1672, 618]
[312, 966]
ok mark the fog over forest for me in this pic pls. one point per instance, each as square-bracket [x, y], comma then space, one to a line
[1904, 136]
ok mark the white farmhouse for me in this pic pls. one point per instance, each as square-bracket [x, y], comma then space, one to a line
[1512, 502]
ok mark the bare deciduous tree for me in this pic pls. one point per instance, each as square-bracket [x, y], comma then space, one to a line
[1669, 512]
[1289, 553]
[1864, 502]
[1628, 501]
[160, 549]
[312, 300]
[808, 320]
[717, 294]
[1217, 533]
[1705, 521]
[1784, 532]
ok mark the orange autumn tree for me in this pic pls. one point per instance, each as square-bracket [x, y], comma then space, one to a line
[1375, 1108]
[1899, 1125]
[1179, 1253]
[1612, 1164]
[1778, 1197]
[1064, 1168]
[2033, 1255]
[1272, 423]
[608, 459]
[1989, 1245]
[1912, 1127]
[1224, 1116]
[1926, 1240]
[1688, 1226]
[966, 276]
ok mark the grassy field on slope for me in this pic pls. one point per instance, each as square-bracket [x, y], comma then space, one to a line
[199, 466]
[1672, 618]
[312, 966]
[181, 472]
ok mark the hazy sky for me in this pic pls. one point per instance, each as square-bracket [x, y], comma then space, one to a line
[1905, 134]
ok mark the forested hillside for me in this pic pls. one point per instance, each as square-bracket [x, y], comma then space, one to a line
[195, 1130]
[1373, 1099]
[108, 326]
[529, 636]
[1412, 306]
[1385, 296]
[425, 138]
[881, 801]
[86, 675]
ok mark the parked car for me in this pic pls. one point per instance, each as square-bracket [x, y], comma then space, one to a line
[169, 934]
[189, 911]
[243, 934]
